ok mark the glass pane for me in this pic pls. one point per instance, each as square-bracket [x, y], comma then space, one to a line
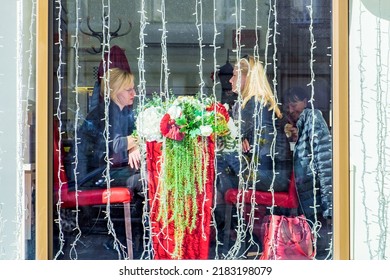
[188, 187]
[369, 56]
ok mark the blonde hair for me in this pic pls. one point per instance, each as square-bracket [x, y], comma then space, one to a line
[257, 84]
[118, 79]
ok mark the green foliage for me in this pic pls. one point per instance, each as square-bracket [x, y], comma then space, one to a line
[183, 176]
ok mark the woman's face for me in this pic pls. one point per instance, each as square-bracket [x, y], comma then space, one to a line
[234, 80]
[294, 109]
[126, 96]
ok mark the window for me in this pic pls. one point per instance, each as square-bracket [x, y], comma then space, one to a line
[193, 51]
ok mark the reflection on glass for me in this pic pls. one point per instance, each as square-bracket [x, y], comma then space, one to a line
[291, 38]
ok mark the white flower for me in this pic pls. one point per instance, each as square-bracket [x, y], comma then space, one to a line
[231, 144]
[233, 129]
[174, 112]
[148, 124]
[205, 130]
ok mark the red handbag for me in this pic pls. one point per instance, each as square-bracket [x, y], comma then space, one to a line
[287, 238]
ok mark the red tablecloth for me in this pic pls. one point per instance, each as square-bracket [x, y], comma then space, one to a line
[196, 243]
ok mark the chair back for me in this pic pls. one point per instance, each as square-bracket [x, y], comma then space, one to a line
[287, 199]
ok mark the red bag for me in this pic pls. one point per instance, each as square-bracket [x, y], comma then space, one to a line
[287, 238]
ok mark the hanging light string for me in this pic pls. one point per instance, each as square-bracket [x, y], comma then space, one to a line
[164, 76]
[20, 201]
[147, 232]
[363, 122]
[382, 131]
[215, 83]
[275, 96]
[164, 94]
[330, 244]
[73, 252]
[381, 102]
[271, 39]
[317, 224]
[199, 27]
[58, 114]
[385, 82]
[258, 111]
[234, 251]
[256, 48]
[106, 13]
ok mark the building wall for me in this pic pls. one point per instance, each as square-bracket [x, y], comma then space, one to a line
[369, 128]
[8, 126]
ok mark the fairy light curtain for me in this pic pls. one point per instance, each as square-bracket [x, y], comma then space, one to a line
[245, 227]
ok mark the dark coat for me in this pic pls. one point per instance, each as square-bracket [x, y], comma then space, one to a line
[93, 135]
[313, 164]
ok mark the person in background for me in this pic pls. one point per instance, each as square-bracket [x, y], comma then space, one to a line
[115, 58]
[98, 136]
[265, 161]
[312, 157]
[265, 149]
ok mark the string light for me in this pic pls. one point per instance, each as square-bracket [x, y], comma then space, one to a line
[146, 240]
[382, 139]
[243, 226]
[374, 157]
[215, 83]
[58, 114]
[106, 44]
[316, 226]
[164, 77]
[363, 121]
[20, 202]
[73, 252]
[234, 251]
[199, 27]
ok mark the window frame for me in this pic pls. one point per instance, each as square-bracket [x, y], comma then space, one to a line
[340, 92]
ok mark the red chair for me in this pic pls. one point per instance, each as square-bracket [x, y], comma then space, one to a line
[90, 197]
[287, 199]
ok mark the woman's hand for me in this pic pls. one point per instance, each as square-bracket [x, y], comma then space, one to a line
[291, 132]
[245, 146]
[132, 142]
[134, 158]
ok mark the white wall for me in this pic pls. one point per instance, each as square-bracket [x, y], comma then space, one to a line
[8, 129]
[369, 128]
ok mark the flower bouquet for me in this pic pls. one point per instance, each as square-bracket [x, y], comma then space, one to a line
[186, 115]
[187, 128]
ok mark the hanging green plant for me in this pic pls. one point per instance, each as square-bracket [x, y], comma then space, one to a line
[183, 177]
[186, 125]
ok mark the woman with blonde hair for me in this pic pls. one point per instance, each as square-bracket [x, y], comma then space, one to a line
[265, 159]
[109, 122]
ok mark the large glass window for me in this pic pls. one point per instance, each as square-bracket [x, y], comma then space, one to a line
[103, 209]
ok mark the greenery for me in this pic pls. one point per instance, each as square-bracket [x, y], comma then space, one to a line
[187, 124]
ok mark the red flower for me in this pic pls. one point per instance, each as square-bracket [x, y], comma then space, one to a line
[170, 129]
[219, 108]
